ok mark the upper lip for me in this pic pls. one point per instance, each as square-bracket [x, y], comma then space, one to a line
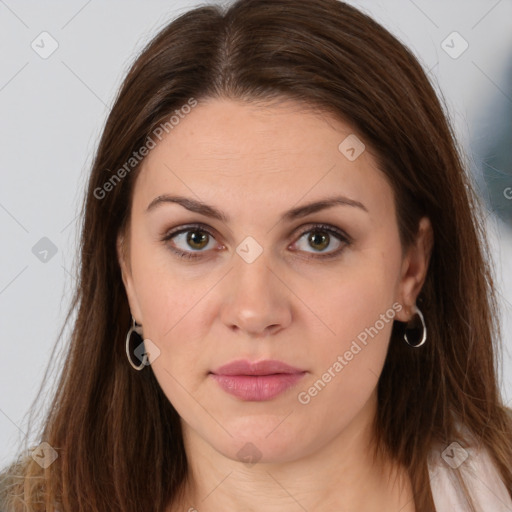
[265, 367]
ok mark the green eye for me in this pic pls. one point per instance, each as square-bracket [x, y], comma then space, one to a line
[191, 237]
[321, 237]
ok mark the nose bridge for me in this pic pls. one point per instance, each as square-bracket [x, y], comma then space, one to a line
[255, 301]
[252, 270]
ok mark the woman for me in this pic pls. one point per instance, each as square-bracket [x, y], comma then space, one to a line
[284, 300]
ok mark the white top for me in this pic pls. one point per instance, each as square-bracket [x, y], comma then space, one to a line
[480, 474]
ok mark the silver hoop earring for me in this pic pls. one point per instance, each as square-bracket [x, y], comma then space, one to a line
[417, 330]
[134, 337]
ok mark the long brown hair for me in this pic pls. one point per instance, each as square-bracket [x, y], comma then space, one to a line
[117, 435]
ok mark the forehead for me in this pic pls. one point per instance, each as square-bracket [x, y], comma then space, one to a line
[249, 155]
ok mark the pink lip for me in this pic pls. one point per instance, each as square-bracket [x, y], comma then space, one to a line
[256, 381]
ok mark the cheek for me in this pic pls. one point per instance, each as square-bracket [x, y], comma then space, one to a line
[162, 292]
[356, 310]
[350, 299]
[347, 365]
[172, 300]
[360, 318]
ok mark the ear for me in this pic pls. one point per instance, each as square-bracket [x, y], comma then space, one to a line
[414, 269]
[123, 257]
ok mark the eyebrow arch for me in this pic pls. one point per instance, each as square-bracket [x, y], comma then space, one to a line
[295, 213]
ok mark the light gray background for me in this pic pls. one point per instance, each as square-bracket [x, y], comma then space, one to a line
[53, 111]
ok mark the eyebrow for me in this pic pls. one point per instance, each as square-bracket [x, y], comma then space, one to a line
[295, 213]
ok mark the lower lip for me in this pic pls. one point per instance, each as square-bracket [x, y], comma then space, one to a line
[257, 388]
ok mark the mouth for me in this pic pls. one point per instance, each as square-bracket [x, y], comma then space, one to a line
[256, 381]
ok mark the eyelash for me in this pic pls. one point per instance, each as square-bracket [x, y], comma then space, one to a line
[331, 230]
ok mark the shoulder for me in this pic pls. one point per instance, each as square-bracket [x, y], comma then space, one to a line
[472, 464]
[5, 486]
[13, 485]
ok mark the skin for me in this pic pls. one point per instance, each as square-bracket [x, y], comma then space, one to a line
[255, 162]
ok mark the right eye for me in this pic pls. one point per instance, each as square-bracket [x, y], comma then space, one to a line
[194, 237]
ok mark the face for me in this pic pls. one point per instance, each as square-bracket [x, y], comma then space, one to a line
[266, 278]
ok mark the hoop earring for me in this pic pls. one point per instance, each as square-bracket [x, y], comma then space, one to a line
[414, 330]
[135, 333]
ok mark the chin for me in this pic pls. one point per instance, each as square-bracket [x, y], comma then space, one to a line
[261, 444]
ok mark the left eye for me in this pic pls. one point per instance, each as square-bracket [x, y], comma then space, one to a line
[319, 238]
[198, 238]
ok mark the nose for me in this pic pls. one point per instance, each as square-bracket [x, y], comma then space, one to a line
[256, 301]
